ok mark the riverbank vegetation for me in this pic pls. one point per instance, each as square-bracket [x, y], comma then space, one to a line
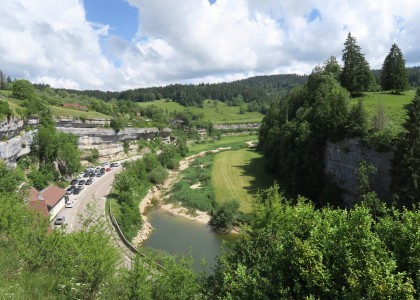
[134, 182]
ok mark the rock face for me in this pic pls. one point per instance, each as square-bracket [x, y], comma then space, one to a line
[10, 128]
[77, 123]
[110, 145]
[232, 127]
[91, 135]
[341, 160]
[17, 146]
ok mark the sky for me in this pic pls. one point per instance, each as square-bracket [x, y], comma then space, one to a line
[123, 44]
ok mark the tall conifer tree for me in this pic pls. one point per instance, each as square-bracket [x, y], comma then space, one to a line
[394, 74]
[406, 165]
[356, 76]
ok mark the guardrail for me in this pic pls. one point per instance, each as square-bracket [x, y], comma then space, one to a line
[123, 238]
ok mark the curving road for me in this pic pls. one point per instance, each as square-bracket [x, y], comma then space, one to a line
[96, 193]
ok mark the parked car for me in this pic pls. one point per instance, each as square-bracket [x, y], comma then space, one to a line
[108, 169]
[99, 174]
[81, 182]
[74, 181]
[69, 204]
[117, 164]
[92, 175]
[89, 181]
[77, 190]
[86, 175]
[60, 220]
[70, 190]
[102, 170]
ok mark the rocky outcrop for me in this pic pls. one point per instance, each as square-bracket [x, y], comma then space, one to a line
[110, 145]
[10, 127]
[81, 123]
[341, 160]
[17, 146]
[235, 127]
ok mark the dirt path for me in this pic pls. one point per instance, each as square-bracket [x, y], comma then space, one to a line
[158, 193]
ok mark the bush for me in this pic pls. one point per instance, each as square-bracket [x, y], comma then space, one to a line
[158, 175]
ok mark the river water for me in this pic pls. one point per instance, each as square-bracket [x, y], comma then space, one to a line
[181, 236]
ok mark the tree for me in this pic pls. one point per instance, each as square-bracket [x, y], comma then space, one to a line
[394, 75]
[356, 76]
[332, 67]
[23, 89]
[2, 81]
[406, 164]
[293, 251]
[225, 215]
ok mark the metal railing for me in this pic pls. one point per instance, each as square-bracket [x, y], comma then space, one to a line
[124, 239]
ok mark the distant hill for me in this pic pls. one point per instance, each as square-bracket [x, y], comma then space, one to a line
[258, 89]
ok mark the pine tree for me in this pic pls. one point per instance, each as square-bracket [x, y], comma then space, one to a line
[394, 74]
[406, 164]
[356, 76]
[2, 82]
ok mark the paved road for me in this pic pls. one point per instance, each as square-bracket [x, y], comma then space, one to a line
[96, 193]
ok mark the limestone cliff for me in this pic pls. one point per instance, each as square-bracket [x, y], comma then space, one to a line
[17, 146]
[341, 160]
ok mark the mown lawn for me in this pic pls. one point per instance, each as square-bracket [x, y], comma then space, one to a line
[234, 141]
[216, 111]
[394, 106]
[239, 175]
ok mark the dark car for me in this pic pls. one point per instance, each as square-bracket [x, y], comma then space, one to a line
[76, 191]
[89, 181]
[86, 175]
[92, 175]
[74, 182]
[102, 170]
[112, 165]
[60, 220]
[81, 182]
[70, 190]
[99, 174]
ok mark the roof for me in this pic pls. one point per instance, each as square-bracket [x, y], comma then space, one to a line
[52, 195]
[36, 203]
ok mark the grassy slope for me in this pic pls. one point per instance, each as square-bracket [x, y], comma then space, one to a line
[67, 112]
[219, 114]
[394, 105]
[238, 175]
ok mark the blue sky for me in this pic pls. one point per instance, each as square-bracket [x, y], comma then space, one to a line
[122, 44]
[118, 14]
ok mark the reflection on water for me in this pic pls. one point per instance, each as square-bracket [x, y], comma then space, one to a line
[178, 235]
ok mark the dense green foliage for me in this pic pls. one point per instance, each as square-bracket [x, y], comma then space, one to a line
[293, 251]
[356, 76]
[394, 75]
[293, 133]
[225, 215]
[5, 110]
[23, 90]
[201, 198]
[406, 165]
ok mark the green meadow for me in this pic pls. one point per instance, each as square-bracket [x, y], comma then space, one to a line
[216, 111]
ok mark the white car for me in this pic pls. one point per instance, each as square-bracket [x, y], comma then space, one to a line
[117, 164]
[69, 204]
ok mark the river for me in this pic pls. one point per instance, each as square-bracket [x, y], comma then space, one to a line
[179, 235]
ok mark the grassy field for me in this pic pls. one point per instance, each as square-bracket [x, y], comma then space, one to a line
[234, 141]
[66, 112]
[394, 106]
[218, 114]
[238, 175]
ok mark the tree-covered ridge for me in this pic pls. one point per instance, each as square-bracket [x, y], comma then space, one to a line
[256, 89]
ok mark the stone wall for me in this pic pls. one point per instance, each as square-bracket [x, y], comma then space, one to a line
[341, 160]
[235, 127]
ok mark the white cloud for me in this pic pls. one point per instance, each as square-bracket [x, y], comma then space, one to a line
[193, 41]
